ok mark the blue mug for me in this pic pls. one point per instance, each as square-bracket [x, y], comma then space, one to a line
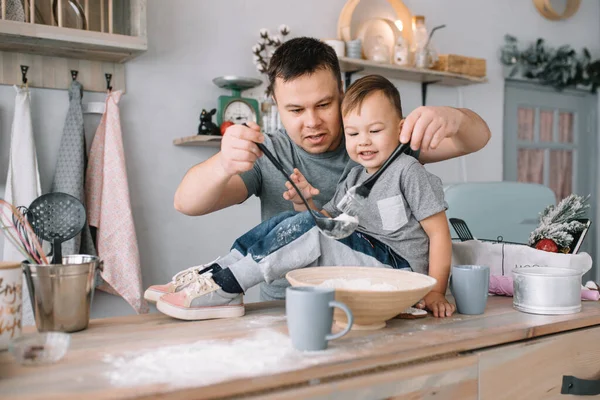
[309, 312]
[469, 285]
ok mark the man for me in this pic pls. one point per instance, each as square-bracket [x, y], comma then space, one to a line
[304, 80]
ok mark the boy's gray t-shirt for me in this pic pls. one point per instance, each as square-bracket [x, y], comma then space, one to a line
[402, 196]
[324, 171]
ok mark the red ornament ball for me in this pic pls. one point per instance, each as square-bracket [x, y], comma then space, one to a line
[547, 245]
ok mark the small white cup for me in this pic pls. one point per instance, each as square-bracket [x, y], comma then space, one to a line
[11, 302]
[354, 48]
[338, 45]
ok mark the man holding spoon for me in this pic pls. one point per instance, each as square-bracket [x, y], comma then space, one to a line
[304, 79]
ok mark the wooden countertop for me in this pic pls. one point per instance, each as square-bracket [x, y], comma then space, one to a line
[87, 373]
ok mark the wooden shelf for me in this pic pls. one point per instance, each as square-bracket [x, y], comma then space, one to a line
[55, 72]
[55, 41]
[199, 140]
[351, 65]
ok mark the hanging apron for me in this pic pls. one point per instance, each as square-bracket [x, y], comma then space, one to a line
[70, 168]
[109, 209]
[23, 180]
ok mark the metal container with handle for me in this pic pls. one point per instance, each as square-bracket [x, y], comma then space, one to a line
[547, 290]
[61, 294]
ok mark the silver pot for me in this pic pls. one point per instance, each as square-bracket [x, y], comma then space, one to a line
[61, 294]
[547, 290]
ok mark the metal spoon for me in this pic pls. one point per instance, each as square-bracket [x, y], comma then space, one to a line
[335, 228]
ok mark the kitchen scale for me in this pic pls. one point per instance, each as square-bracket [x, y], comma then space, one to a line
[236, 108]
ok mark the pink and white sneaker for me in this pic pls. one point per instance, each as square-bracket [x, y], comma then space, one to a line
[181, 280]
[203, 299]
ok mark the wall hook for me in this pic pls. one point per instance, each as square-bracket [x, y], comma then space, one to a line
[74, 74]
[24, 69]
[108, 79]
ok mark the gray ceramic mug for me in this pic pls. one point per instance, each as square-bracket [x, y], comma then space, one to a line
[469, 285]
[309, 312]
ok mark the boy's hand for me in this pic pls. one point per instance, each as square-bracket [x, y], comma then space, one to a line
[307, 190]
[438, 305]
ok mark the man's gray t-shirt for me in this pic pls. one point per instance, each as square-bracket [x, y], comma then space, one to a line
[323, 171]
[402, 196]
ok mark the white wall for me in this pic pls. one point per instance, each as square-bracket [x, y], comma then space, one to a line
[191, 42]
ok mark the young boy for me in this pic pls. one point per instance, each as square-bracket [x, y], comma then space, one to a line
[403, 224]
[405, 209]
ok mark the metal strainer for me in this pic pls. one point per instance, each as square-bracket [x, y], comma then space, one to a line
[57, 217]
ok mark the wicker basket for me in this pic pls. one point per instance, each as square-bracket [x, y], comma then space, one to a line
[461, 65]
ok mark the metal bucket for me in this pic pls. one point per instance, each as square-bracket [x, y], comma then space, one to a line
[547, 290]
[61, 294]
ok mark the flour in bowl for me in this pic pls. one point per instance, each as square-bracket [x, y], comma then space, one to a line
[357, 284]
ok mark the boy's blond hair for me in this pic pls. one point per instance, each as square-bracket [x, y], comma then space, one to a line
[363, 87]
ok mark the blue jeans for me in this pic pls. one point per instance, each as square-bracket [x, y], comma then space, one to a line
[282, 229]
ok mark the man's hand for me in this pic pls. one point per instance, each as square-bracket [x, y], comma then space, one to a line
[438, 305]
[238, 148]
[307, 190]
[427, 126]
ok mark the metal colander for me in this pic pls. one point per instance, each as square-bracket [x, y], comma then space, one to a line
[57, 217]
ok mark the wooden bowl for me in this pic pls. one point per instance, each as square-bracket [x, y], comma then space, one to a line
[371, 308]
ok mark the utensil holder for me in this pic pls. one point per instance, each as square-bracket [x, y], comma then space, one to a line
[61, 294]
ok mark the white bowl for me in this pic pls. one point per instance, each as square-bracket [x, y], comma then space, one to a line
[40, 348]
[371, 308]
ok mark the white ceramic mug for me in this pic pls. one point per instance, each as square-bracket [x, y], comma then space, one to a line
[11, 301]
[338, 45]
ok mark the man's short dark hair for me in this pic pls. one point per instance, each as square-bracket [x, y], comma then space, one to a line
[302, 56]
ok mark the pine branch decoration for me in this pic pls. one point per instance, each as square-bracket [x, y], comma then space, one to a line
[560, 68]
[559, 223]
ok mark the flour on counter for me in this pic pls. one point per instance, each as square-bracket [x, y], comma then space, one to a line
[357, 284]
[414, 311]
[209, 361]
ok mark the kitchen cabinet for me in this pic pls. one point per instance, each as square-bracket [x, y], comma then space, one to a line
[52, 47]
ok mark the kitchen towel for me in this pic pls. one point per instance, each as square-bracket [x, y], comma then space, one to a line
[502, 258]
[23, 180]
[70, 167]
[109, 209]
